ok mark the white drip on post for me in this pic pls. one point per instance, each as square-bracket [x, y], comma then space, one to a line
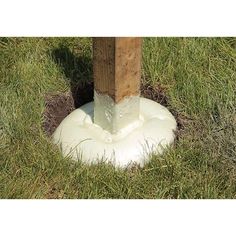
[113, 116]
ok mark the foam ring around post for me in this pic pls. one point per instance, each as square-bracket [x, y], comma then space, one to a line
[79, 138]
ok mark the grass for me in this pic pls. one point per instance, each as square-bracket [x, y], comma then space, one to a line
[199, 76]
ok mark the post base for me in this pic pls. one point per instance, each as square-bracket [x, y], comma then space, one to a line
[79, 138]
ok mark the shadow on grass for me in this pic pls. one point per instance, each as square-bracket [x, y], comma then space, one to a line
[78, 70]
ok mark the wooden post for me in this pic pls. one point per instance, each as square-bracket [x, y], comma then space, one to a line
[117, 72]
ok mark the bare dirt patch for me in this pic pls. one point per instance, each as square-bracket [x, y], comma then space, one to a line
[58, 106]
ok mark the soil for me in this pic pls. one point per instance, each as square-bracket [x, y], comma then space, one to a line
[58, 106]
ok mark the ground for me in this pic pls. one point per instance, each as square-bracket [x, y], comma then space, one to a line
[44, 79]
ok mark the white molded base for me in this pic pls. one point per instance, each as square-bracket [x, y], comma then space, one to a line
[80, 138]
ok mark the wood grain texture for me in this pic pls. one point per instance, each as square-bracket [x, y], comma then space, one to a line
[117, 66]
